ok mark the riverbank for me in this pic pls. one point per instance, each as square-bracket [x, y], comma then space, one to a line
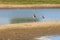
[30, 6]
[29, 31]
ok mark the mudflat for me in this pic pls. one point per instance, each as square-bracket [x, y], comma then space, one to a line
[29, 31]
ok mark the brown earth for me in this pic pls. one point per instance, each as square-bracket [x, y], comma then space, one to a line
[29, 31]
[30, 6]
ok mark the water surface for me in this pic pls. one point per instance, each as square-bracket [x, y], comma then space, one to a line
[49, 14]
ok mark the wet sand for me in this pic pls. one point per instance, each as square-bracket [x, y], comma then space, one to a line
[29, 31]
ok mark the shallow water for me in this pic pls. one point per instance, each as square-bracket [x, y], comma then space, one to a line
[56, 37]
[50, 14]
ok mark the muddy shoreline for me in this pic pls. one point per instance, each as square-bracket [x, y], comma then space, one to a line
[29, 31]
[30, 6]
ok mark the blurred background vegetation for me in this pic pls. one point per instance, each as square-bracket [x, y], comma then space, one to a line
[30, 1]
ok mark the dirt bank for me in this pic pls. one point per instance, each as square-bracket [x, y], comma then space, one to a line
[28, 31]
[30, 6]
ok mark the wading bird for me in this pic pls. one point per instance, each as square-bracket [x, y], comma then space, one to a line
[34, 16]
[43, 17]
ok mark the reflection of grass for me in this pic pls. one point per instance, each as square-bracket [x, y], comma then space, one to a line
[29, 1]
[22, 20]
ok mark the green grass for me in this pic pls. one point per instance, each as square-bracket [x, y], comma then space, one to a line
[30, 1]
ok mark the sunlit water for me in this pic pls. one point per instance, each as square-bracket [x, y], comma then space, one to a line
[50, 15]
[56, 37]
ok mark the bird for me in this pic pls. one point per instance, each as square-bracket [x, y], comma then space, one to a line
[43, 17]
[34, 16]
